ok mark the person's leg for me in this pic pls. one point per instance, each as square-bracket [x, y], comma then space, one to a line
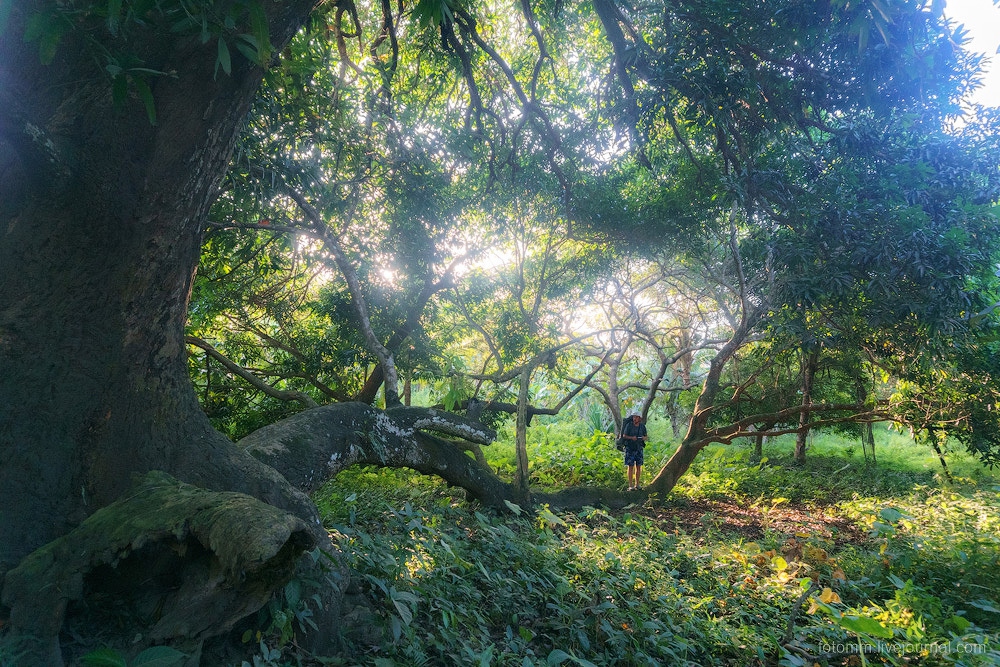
[637, 462]
[630, 468]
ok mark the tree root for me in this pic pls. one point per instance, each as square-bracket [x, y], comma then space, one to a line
[179, 563]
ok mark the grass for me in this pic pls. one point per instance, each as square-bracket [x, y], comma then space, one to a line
[833, 562]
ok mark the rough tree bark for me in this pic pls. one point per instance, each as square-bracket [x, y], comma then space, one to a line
[101, 215]
[185, 543]
[313, 446]
[521, 433]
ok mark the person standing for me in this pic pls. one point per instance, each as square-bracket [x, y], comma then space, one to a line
[634, 434]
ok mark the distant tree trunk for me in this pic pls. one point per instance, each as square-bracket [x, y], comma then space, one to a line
[521, 437]
[684, 340]
[614, 400]
[932, 437]
[808, 374]
[412, 323]
[868, 441]
[673, 410]
[867, 429]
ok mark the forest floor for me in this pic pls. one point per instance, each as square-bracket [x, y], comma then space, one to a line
[833, 562]
[753, 523]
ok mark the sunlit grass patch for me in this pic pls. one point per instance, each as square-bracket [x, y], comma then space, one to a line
[744, 564]
[453, 584]
[942, 541]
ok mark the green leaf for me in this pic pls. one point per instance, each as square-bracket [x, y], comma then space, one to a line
[960, 623]
[114, 15]
[402, 600]
[890, 514]
[513, 507]
[258, 25]
[224, 60]
[47, 30]
[293, 593]
[104, 657]
[985, 605]
[145, 94]
[864, 625]
[546, 515]
[557, 657]
[248, 46]
[880, 528]
[159, 656]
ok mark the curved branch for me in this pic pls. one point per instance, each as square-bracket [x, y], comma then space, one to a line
[540, 358]
[252, 379]
[314, 445]
[294, 352]
[331, 243]
[467, 25]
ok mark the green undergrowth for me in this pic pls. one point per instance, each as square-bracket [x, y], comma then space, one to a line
[835, 469]
[458, 585]
[909, 574]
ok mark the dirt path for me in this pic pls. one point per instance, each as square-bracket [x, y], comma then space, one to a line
[751, 522]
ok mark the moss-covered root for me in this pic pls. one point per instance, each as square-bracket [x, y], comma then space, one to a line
[169, 563]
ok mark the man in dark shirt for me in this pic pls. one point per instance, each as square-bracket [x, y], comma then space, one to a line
[634, 432]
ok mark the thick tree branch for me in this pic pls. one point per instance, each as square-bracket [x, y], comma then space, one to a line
[314, 445]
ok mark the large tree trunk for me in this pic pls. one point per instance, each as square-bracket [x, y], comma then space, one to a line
[100, 227]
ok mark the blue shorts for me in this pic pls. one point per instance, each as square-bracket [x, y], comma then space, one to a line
[633, 457]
